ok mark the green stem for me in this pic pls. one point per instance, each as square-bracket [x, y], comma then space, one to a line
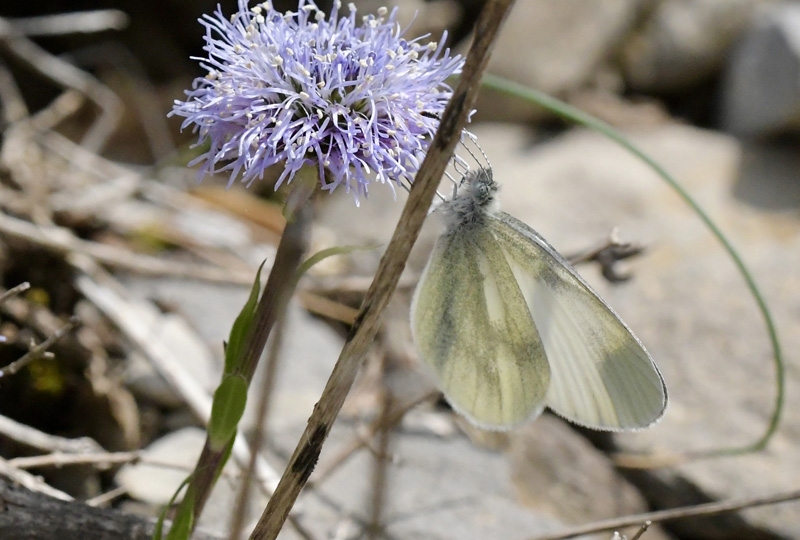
[272, 305]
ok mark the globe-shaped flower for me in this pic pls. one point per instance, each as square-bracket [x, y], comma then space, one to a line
[358, 101]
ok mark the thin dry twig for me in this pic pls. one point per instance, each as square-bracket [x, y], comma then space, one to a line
[39, 350]
[100, 460]
[31, 482]
[63, 241]
[60, 24]
[363, 440]
[67, 76]
[608, 254]
[13, 107]
[13, 291]
[380, 462]
[104, 498]
[660, 516]
[391, 266]
[642, 530]
[44, 441]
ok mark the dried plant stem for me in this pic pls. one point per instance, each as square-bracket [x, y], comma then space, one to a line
[63, 241]
[387, 276]
[21, 288]
[707, 509]
[643, 529]
[66, 75]
[30, 481]
[40, 440]
[40, 350]
[381, 423]
[380, 471]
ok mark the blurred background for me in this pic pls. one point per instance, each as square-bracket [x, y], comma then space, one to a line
[99, 213]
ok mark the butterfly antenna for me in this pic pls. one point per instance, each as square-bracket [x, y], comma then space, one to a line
[474, 140]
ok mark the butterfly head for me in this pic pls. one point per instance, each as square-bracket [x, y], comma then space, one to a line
[474, 199]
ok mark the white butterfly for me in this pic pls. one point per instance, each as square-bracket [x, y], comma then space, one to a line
[508, 327]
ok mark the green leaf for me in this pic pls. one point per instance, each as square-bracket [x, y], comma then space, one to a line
[157, 533]
[182, 524]
[230, 399]
[233, 350]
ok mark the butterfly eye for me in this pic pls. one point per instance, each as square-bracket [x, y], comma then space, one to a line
[483, 193]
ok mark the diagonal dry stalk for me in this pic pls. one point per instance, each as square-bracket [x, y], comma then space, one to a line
[386, 278]
[660, 516]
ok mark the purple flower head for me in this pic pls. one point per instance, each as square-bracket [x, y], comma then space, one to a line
[306, 89]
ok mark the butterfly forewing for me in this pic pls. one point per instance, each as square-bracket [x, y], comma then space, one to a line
[473, 328]
[601, 375]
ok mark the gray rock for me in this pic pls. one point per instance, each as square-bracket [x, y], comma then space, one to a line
[686, 301]
[761, 90]
[681, 43]
[164, 466]
[554, 471]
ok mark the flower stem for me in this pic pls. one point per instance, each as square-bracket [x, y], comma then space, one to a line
[272, 306]
[383, 285]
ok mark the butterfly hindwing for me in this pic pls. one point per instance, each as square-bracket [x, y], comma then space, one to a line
[474, 330]
[601, 375]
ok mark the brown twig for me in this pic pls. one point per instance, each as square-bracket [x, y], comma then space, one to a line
[607, 255]
[391, 266]
[707, 509]
[380, 462]
[44, 441]
[84, 22]
[642, 530]
[12, 105]
[101, 460]
[31, 482]
[39, 350]
[13, 291]
[361, 441]
[62, 240]
[68, 76]
[104, 498]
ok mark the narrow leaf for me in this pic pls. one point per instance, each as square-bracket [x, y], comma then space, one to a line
[230, 399]
[240, 327]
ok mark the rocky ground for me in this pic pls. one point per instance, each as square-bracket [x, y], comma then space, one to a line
[156, 269]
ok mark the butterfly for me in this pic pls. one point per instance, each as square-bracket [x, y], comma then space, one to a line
[508, 327]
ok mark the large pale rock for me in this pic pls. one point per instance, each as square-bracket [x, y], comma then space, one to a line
[686, 301]
[761, 89]
[682, 43]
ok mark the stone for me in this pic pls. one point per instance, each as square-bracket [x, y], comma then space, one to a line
[682, 43]
[761, 88]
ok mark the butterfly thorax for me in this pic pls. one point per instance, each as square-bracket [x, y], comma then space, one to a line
[475, 199]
